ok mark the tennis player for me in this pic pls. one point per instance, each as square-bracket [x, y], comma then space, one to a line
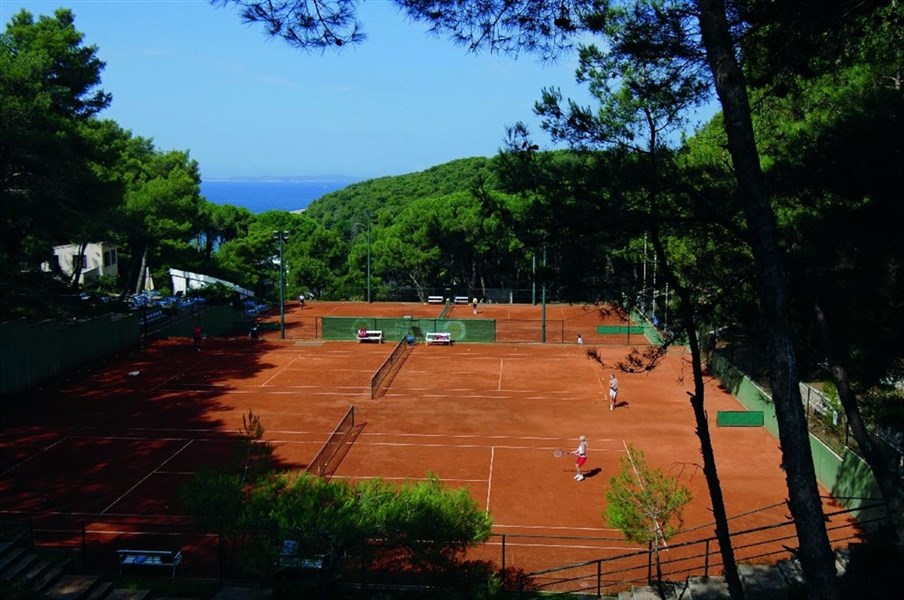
[581, 453]
[613, 391]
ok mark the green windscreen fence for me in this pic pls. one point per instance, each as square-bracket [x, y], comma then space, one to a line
[739, 418]
[619, 329]
[35, 351]
[394, 329]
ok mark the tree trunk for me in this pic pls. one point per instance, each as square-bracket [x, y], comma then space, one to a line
[77, 265]
[720, 515]
[142, 271]
[883, 472]
[815, 552]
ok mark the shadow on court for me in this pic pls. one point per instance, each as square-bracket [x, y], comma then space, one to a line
[592, 472]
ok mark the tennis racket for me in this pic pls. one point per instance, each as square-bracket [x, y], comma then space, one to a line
[559, 453]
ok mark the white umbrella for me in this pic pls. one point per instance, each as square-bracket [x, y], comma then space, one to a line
[148, 280]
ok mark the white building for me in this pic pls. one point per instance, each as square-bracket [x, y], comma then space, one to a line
[97, 259]
[184, 281]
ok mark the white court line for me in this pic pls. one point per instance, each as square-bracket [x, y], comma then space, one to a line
[465, 436]
[33, 456]
[556, 528]
[501, 370]
[359, 442]
[656, 524]
[358, 392]
[444, 480]
[279, 372]
[490, 476]
[423, 445]
[179, 374]
[132, 532]
[509, 543]
[176, 453]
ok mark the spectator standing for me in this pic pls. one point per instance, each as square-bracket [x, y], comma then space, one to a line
[197, 334]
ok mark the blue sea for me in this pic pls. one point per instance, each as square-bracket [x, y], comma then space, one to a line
[260, 195]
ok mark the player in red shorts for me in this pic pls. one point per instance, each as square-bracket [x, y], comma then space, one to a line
[581, 453]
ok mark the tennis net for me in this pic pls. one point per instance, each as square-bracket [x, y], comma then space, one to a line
[394, 359]
[331, 451]
[446, 309]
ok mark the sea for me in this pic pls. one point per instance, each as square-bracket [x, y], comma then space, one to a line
[261, 195]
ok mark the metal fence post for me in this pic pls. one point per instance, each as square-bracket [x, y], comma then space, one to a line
[84, 547]
[599, 577]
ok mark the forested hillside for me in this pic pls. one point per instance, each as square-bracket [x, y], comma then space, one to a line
[338, 209]
[778, 220]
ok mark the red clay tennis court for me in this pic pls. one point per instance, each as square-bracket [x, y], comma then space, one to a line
[98, 459]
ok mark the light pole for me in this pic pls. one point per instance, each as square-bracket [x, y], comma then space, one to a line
[367, 234]
[543, 294]
[281, 236]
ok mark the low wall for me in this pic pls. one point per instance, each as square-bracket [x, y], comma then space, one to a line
[36, 351]
[847, 477]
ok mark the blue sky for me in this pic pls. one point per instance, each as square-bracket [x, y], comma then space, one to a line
[194, 77]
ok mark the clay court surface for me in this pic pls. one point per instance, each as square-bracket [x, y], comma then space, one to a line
[109, 448]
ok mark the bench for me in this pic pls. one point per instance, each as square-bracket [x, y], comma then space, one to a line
[371, 336]
[435, 300]
[462, 300]
[150, 558]
[436, 337]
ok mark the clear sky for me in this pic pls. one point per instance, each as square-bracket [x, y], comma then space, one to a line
[193, 77]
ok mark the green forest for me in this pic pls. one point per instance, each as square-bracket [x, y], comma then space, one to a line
[776, 221]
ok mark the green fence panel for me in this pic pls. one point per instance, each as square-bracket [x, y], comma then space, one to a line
[468, 330]
[394, 329]
[38, 351]
[619, 329]
[739, 418]
[848, 478]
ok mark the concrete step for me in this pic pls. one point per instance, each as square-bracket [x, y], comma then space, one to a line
[763, 582]
[707, 588]
[6, 545]
[843, 558]
[29, 576]
[239, 592]
[99, 591]
[14, 569]
[71, 587]
[124, 594]
[50, 574]
[651, 592]
[10, 556]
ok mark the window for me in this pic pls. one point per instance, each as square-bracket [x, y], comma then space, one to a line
[79, 261]
[109, 258]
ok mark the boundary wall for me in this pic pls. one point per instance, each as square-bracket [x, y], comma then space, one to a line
[847, 477]
[33, 352]
[36, 351]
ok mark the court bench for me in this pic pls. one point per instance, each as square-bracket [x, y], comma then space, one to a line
[435, 300]
[371, 336]
[437, 337]
[462, 300]
[169, 559]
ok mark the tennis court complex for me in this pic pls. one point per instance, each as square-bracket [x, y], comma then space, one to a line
[98, 459]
